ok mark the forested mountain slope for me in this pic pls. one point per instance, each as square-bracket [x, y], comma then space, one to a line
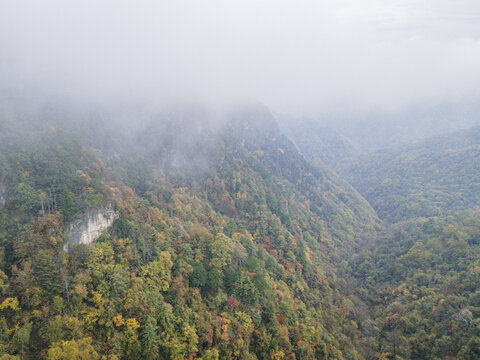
[435, 176]
[421, 281]
[226, 245]
[229, 244]
[420, 276]
[250, 138]
[320, 144]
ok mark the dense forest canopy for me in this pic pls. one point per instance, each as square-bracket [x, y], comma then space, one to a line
[227, 243]
[225, 248]
[439, 175]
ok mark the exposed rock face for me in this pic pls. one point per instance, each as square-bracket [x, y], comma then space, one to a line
[90, 226]
[3, 195]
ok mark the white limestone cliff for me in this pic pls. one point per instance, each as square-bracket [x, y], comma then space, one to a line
[90, 226]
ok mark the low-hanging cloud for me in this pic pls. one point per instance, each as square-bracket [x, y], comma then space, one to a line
[295, 56]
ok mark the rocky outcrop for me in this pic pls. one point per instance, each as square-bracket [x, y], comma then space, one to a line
[90, 226]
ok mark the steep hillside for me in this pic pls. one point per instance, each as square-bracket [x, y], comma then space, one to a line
[320, 144]
[226, 245]
[427, 178]
[421, 280]
[419, 277]
[250, 139]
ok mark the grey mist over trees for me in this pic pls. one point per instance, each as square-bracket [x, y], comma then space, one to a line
[287, 180]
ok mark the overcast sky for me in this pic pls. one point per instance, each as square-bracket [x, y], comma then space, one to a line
[301, 56]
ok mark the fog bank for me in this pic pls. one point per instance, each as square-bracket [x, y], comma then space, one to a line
[304, 57]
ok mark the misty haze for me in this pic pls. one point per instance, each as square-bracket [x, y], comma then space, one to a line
[240, 180]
